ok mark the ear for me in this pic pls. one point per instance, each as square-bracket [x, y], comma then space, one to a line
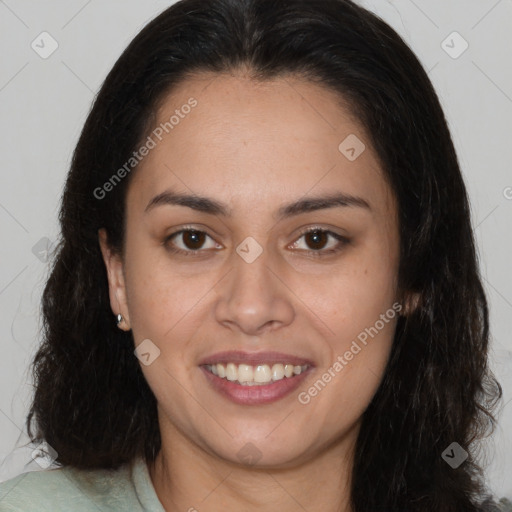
[116, 282]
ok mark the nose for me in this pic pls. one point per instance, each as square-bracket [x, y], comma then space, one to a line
[254, 298]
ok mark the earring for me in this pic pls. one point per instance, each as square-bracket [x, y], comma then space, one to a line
[119, 320]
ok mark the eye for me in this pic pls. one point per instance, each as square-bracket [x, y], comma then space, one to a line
[317, 241]
[188, 242]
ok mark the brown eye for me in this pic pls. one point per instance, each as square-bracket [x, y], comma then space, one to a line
[193, 239]
[316, 239]
[320, 242]
[192, 242]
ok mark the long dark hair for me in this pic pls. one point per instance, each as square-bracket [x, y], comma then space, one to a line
[92, 403]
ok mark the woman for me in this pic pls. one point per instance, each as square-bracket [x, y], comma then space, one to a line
[266, 295]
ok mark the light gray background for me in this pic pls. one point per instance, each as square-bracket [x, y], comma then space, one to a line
[44, 102]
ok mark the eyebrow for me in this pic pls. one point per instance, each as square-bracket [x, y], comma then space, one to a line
[213, 207]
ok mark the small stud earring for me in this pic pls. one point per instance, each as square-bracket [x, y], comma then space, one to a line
[119, 319]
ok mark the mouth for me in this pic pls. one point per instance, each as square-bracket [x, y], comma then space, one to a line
[259, 375]
[256, 378]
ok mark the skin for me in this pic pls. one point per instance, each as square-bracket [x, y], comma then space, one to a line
[256, 146]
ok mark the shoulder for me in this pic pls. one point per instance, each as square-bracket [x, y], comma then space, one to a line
[35, 490]
[52, 490]
[504, 505]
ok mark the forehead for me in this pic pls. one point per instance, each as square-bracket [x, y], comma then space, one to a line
[256, 143]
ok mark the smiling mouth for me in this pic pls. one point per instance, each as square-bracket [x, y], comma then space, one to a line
[255, 375]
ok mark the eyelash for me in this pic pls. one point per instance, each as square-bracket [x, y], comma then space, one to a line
[318, 253]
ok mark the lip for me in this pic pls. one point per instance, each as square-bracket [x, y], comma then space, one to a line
[254, 358]
[255, 395]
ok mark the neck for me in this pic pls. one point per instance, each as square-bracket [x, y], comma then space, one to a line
[187, 478]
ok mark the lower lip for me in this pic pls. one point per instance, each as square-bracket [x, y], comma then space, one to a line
[257, 394]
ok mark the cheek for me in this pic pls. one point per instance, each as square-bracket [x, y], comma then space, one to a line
[159, 298]
[354, 370]
[353, 295]
[162, 308]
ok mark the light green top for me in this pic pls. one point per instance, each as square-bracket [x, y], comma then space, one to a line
[128, 488]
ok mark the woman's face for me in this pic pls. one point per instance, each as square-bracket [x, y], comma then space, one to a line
[260, 165]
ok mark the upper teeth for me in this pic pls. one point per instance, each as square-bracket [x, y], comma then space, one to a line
[249, 375]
